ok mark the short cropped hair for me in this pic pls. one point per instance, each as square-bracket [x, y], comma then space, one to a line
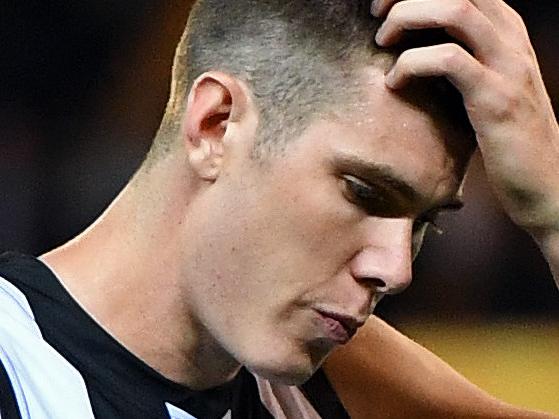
[297, 56]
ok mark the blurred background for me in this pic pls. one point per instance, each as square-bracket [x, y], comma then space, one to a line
[83, 86]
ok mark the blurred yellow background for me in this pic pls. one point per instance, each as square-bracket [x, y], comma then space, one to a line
[515, 361]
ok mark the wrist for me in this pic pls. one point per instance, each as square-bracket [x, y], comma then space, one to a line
[535, 209]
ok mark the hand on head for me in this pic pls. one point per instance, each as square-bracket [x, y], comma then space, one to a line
[503, 92]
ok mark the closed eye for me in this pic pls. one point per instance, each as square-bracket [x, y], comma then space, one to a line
[378, 201]
[373, 199]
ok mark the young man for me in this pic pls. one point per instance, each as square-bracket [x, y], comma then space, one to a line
[287, 191]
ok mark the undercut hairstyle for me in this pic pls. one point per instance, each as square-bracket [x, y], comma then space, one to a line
[298, 57]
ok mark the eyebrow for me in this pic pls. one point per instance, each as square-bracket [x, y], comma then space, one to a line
[375, 172]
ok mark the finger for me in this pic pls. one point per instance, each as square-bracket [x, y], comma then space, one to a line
[497, 11]
[446, 60]
[460, 18]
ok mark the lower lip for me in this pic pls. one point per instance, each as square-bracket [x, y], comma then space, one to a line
[334, 329]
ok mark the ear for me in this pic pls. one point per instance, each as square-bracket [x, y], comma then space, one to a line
[216, 102]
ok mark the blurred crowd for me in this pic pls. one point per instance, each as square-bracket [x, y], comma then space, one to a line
[83, 86]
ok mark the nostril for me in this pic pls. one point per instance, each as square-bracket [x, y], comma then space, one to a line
[375, 282]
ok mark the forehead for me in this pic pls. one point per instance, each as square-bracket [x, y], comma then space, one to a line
[415, 143]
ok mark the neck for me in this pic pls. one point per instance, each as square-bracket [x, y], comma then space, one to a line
[125, 271]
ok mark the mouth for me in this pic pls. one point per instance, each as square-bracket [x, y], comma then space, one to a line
[339, 327]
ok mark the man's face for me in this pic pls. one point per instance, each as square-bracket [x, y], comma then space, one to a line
[289, 255]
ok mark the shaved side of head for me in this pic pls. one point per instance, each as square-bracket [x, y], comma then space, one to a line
[300, 59]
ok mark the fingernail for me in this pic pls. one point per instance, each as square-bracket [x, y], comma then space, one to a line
[374, 8]
[390, 79]
[379, 38]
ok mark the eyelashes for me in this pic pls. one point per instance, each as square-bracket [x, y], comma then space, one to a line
[428, 222]
[376, 200]
[371, 199]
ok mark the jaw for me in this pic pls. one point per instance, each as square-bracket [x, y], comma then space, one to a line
[293, 369]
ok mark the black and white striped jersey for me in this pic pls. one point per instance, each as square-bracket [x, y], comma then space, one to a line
[56, 362]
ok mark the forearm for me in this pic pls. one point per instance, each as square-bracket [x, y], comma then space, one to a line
[533, 203]
[382, 373]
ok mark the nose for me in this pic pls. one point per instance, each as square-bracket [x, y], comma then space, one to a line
[385, 259]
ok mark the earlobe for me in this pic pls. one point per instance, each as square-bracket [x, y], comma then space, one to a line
[215, 102]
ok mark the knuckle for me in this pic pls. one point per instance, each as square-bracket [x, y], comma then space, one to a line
[397, 7]
[528, 50]
[516, 18]
[460, 9]
[406, 58]
[522, 70]
[403, 67]
[452, 57]
[397, 12]
[525, 74]
[505, 104]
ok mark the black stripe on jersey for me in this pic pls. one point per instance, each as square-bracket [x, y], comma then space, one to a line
[8, 403]
[322, 396]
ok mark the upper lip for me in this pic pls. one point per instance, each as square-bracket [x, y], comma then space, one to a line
[350, 323]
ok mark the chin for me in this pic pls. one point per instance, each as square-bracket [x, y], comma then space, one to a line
[293, 376]
[291, 368]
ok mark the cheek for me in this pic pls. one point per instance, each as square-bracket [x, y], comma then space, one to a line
[317, 227]
[275, 244]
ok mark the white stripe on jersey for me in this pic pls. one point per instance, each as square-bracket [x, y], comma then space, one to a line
[177, 413]
[45, 384]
